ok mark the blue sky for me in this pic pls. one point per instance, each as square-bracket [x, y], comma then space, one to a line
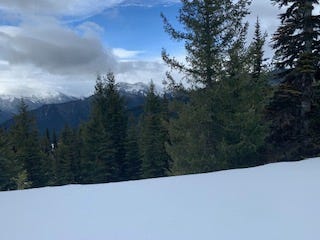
[138, 28]
[52, 45]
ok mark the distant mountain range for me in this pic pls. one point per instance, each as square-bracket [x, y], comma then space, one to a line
[9, 104]
[59, 110]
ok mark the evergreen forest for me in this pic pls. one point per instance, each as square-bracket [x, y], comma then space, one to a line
[232, 109]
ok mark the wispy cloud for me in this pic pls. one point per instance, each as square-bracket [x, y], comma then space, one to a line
[76, 8]
[124, 54]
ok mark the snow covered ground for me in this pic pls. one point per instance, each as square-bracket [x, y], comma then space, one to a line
[273, 202]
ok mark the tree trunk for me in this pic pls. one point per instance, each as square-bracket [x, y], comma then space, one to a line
[308, 76]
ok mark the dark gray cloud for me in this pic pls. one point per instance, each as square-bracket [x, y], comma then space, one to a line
[54, 48]
[45, 54]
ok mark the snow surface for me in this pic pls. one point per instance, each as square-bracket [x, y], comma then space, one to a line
[273, 202]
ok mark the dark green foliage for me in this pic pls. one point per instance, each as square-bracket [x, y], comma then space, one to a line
[210, 28]
[46, 142]
[67, 166]
[103, 155]
[315, 120]
[256, 52]
[4, 172]
[25, 147]
[133, 163]
[191, 137]
[8, 169]
[285, 137]
[48, 156]
[219, 126]
[89, 163]
[298, 34]
[297, 53]
[155, 160]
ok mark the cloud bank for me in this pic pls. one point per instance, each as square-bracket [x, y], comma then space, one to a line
[42, 50]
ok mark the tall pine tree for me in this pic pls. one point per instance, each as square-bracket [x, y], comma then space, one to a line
[25, 146]
[256, 51]
[103, 155]
[219, 125]
[133, 163]
[297, 57]
[67, 167]
[210, 28]
[9, 166]
[155, 160]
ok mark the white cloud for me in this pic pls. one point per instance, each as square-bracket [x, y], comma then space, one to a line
[76, 8]
[90, 29]
[58, 8]
[46, 44]
[42, 53]
[124, 54]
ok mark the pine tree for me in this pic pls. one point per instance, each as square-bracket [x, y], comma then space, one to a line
[155, 160]
[48, 156]
[221, 127]
[297, 56]
[54, 143]
[116, 126]
[133, 163]
[9, 169]
[4, 172]
[25, 145]
[90, 165]
[103, 155]
[210, 28]
[68, 157]
[191, 139]
[257, 52]
[45, 142]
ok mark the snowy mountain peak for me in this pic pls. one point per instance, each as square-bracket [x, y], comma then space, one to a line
[138, 88]
[9, 102]
[134, 88]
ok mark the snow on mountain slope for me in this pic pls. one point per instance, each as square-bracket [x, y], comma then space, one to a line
[273, 202]
[137, 88]
[10, 103]
[134, 88]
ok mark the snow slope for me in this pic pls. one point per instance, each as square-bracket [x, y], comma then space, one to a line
[273, 202]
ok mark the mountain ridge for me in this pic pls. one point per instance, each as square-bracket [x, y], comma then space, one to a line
[55, 116]
[9, 102]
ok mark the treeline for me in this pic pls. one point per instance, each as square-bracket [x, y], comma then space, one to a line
[241, 112]
[110, 147]
[237, 112]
